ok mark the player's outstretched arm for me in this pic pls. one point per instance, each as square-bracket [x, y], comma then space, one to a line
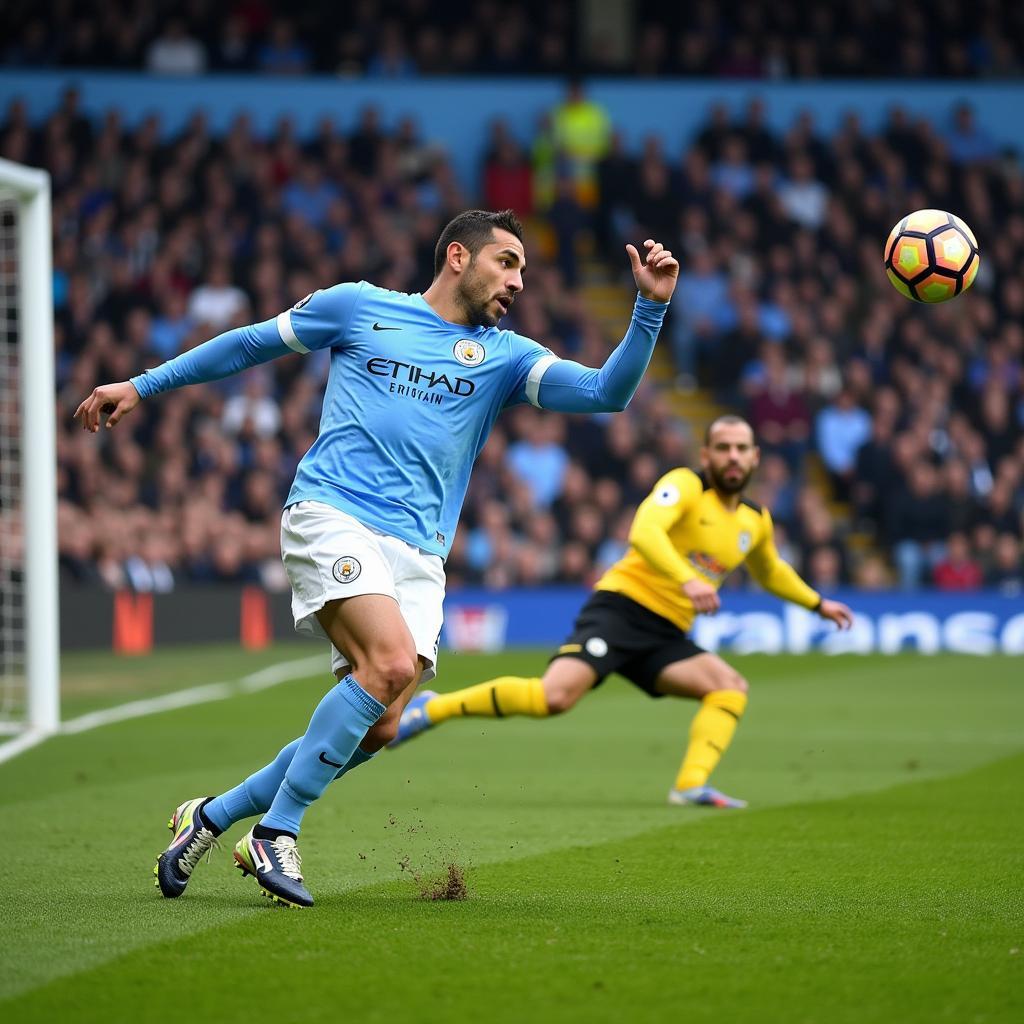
[567, 386]
[318, 321]
[781, 579]
[228, 353]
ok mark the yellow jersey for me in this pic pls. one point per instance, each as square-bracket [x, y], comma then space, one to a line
[682, 531]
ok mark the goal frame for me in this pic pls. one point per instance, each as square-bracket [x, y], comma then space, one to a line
[31, 188]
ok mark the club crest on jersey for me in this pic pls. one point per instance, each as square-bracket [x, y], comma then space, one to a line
[744, 541]
[346, 569]
[666, 495]
[469, 352]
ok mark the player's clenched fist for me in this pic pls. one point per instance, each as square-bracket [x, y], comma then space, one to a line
[656, 274]
[116, 399]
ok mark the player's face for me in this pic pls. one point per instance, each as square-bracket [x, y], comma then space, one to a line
[730, 457]
[492, 280]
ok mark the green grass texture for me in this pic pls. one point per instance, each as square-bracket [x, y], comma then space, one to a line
[876, 877]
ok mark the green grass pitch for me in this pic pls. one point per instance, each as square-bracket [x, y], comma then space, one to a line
[877, 876]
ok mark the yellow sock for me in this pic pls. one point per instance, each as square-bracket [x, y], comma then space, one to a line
[710, 734]
[507, 695]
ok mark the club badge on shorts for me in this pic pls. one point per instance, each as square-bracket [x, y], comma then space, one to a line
[346, 569]
[744, 541]
[469, 352]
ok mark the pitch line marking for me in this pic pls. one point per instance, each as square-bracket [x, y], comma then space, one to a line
[254, 682]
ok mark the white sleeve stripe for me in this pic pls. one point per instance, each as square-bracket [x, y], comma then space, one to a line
[534, 377]
[284, 328]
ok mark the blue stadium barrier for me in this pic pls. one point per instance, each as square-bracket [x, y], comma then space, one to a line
[887, 623]
[457, 111]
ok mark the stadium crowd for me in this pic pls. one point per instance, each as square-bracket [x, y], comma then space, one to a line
[401, 38]
[915, 414]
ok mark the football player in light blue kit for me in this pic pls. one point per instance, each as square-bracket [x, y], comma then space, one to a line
[415, 384]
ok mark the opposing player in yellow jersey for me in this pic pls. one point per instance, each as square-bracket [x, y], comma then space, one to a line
[687, 536]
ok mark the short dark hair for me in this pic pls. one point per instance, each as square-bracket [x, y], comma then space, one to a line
[474, 229]
[728, 420]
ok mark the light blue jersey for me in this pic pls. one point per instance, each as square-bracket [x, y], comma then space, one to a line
[410, 402]
[410, 398]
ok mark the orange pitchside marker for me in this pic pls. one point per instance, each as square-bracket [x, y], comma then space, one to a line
[255, 619]
[133, 623]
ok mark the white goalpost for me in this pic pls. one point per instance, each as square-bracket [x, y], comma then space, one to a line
[29, 624]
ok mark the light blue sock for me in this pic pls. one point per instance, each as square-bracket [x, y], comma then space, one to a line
[255, 795]
[359, 756]
[338, 724]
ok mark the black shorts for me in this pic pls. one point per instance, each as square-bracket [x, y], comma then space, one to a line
[613, 633]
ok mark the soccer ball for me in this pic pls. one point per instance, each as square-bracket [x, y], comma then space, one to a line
[931, 256]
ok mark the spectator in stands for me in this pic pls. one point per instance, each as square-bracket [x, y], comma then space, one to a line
[1007, 572]
[150, 570]
[283, 54]
[653, 204]
[581, 132]
[957, 570]
[232, 50]
[774, 42]
[539, 459]
[507, 174]
[391, 58]
[217, 303]
[732, 173]
[775, 488]
[175, 52]
[824, 569]
[875, 470]
[616, 179]
[138, 218]
[569, 223]
[871, 574]
[803, 197]
[172, 326]
[967, 143]
[841, 429]
[918, 524]
[703, 298]
[253, 411]
[309, 194]
[778, 412]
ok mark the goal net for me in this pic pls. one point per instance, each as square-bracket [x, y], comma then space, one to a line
[29, 644]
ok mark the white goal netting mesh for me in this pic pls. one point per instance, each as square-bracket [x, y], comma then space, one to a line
[12, 550]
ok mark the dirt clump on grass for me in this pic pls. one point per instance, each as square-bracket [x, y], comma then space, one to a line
[451, 885]
[448, 883]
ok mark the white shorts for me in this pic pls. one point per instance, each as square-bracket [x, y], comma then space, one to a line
[328, 555]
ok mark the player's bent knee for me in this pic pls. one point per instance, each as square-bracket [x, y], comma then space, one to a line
[731, 680]
[392, 674]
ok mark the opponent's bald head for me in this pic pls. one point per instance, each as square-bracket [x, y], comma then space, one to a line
[728, 420]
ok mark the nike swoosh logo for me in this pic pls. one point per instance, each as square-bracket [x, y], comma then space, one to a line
[377, 327]
[327, 760]
[706, 522]
[265, 862]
